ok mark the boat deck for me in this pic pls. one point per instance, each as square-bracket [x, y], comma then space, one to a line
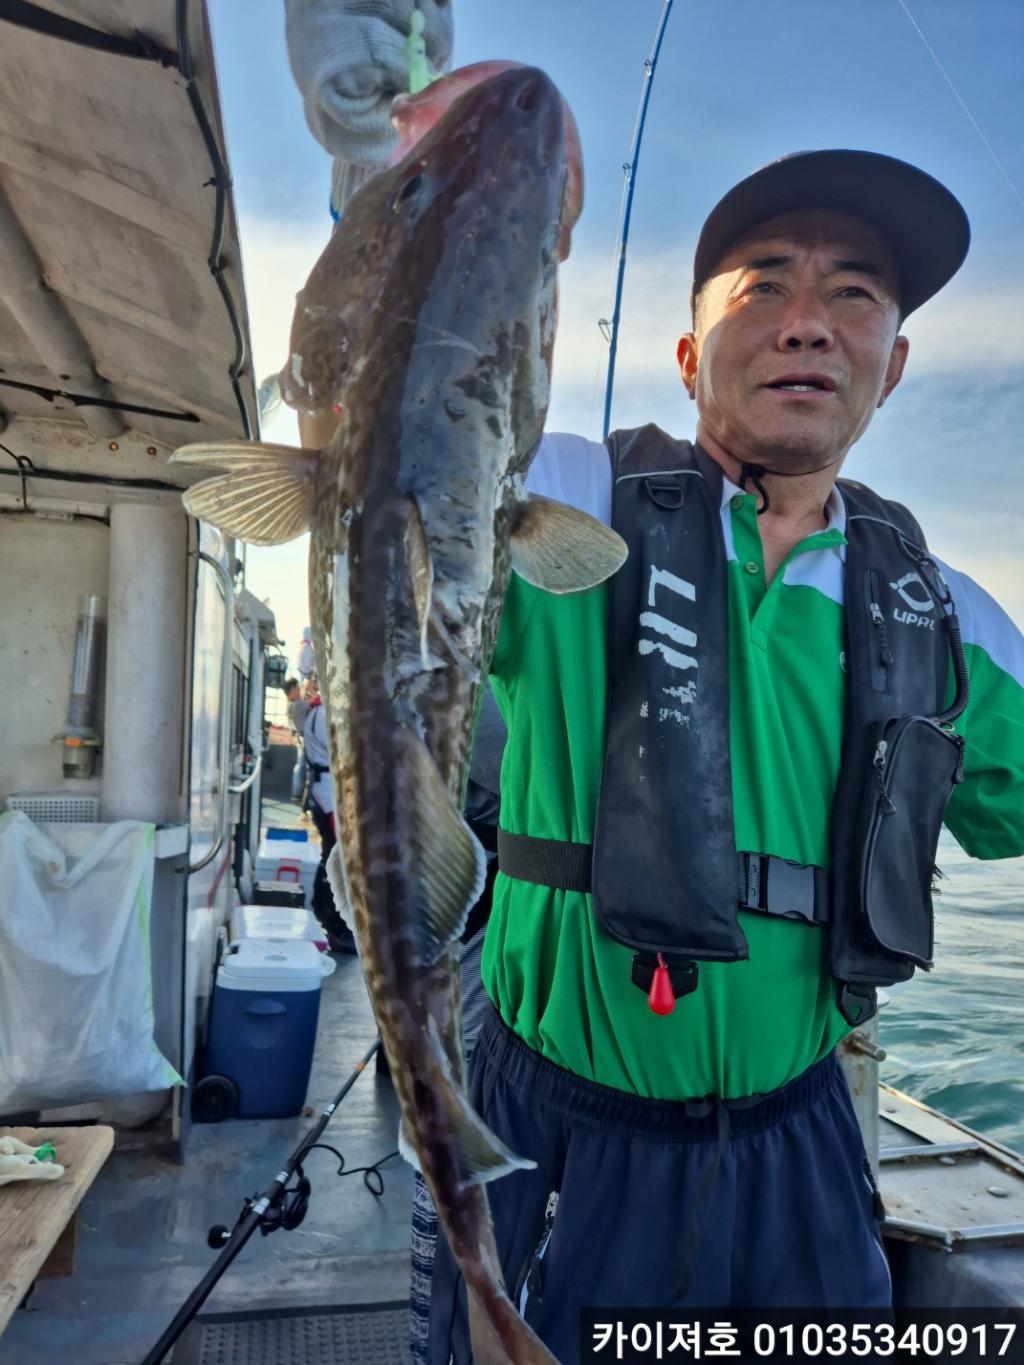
[142, 1240]
[143, 1225]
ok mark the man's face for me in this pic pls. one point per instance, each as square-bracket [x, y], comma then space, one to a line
[795, 343]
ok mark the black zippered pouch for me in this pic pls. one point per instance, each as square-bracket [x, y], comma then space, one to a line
[917, 764]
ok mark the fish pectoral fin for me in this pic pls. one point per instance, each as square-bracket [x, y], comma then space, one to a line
[447, 866]
[482, 1156]
[421, 573]
[406, 1146]
[561, 549]
[266, 496]
[337, 878]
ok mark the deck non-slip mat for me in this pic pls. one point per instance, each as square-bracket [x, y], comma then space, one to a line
[371, 1334]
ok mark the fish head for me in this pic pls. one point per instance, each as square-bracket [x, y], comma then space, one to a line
[488, 194]
[414, 115]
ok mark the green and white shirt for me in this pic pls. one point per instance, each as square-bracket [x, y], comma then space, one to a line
[556, 978]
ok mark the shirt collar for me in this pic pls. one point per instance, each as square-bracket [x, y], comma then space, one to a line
[835, 508]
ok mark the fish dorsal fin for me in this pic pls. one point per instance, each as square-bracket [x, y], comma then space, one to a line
[447, 866]
[482, 1155]
[266, 496]
[561, 549]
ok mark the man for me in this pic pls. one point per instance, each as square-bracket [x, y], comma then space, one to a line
[298, 708]
[717, 833]
[340, 937]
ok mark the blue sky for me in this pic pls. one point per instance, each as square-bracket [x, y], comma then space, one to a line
[740, 82]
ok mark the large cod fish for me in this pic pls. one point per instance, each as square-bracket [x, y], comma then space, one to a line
[429, 320]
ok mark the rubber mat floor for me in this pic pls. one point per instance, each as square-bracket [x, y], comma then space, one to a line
[373, 1334]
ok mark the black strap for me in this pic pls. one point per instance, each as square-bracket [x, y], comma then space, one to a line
[545, 862]
[766, 885]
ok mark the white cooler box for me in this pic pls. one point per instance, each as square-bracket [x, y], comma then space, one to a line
[288, 860]
[276, 921]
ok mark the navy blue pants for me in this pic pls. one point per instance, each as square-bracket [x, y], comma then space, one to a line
[647, 1203]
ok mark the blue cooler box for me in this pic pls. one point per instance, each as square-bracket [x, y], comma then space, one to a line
[263, 1024]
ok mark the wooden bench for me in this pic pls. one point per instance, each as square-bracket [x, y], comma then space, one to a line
[39, 1218]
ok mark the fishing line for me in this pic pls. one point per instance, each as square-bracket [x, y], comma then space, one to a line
[960, 100]
[604, 324]
[632, 165]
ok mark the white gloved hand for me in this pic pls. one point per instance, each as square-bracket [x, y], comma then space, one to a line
[18, 1162]
[349, 59]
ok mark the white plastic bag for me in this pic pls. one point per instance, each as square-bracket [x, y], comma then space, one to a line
[76, 1010]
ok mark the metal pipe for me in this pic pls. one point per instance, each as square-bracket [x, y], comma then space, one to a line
[225, 706]
[244, 786]
[146, 648]
[859, 1053]
[85, 671]
[930, 1230]
[929, 1151]
[1001, 1232]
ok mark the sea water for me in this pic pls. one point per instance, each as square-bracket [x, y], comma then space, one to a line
[955, 1035]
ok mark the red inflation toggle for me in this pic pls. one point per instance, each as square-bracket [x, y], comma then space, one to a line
[661, 997]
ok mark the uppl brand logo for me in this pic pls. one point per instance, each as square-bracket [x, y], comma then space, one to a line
[911, 587]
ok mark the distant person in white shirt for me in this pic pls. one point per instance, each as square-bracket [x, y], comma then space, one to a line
[298, 709]
[306, 662]
[321, 807]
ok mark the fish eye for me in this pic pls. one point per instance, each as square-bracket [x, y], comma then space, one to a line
[408, 191]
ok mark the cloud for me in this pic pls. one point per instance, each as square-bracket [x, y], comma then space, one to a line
[969, 332]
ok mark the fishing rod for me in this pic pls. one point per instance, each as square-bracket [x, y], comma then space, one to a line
[631, 167]
[279, 1206]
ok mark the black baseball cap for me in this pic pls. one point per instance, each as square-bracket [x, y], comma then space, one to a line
[924, 224]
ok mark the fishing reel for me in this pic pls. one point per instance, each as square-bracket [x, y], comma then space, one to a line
[288, 1211]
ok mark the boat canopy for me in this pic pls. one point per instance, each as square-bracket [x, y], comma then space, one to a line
[123, 327]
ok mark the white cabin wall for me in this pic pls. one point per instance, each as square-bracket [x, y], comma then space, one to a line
[44, 567]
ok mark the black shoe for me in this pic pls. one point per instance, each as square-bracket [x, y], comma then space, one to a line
[343, 942]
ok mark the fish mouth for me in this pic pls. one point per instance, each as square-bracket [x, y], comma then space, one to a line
[525, 90]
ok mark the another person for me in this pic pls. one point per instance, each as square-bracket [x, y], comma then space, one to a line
[306, 663]
[321, 806]
[298, 709]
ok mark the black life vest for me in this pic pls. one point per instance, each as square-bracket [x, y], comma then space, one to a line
[664, 872]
